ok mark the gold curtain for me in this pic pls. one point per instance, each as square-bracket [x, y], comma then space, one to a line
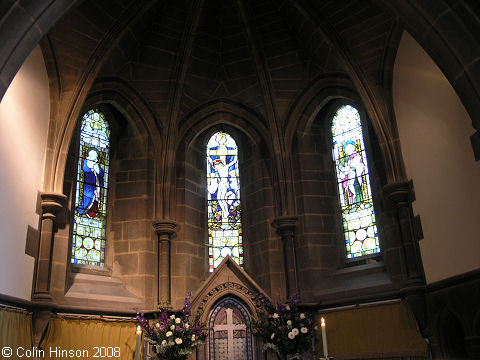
[372, 332]
[87, 337]
[15, 330]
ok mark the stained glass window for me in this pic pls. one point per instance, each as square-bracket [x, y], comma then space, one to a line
[223, 187]
[90, 216]
[358, 214]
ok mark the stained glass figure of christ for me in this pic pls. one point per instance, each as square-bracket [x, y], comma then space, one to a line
[223, 187]
[89, 224]
[358, 213]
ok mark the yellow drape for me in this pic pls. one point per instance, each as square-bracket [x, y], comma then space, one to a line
[88, 337]
[15, 330]
[376, 331]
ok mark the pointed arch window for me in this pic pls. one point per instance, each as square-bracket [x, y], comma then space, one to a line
[230, 332]
[90, 215]
[223, 196]
[353, 180]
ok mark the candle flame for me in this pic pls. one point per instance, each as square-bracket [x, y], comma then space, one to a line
[138, 328]
[323, 321]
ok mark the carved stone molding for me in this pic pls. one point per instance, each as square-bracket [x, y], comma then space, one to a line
[228, 287]
[285, 225]
[401, 193]
[165, 228]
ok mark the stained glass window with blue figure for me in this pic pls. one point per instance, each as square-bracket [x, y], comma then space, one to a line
[355, 194]
[224, 210]
[90, 213]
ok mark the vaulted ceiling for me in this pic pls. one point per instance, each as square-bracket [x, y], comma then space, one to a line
[178, 55]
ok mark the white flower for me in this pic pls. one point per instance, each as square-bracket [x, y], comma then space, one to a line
[172, 317]
[187, 326]
[193, 337]
[170, 342]
[272, 336]
[289, 322]
[275, 316]
[178, 321]
[178, 341]
[303, 330]
[295, 331]
[157, 325]
[172, 327]
[164, 343]
[287, 307]
[302, 316]
[291, 336]
[168, 334]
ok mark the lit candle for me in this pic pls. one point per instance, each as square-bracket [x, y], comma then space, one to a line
[324, 339]
[139, 341]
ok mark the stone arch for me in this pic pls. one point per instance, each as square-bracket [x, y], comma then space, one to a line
[452, 335]
[438, 30]
[317, 97]
[31, 21]
[228, 289]
[223, 111]
[130, 104]
[255, 188]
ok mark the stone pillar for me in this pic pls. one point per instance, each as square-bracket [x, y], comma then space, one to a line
[164, 230]
[402, 195]
[285, 226]
[52, 204]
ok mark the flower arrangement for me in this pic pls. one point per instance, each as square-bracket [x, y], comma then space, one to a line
[283, 328]
[173, 336]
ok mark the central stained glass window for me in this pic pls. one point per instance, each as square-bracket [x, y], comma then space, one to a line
[90, 216]
[224, 211]
[358, 214]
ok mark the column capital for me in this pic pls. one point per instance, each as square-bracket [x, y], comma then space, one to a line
[401, 193]
[52, 203]
[285, 224]
[165, 227]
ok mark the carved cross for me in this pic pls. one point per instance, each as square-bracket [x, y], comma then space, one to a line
[229, 327]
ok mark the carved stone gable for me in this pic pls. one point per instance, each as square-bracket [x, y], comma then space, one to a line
[227, 279]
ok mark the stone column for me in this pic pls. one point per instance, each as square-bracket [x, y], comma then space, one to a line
[51, 203]
[164, 230]
[285, 226]
[402, 195]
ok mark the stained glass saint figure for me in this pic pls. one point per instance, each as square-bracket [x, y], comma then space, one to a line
[93, 182]
[358, 213]
[223, 190]
[89, 224]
